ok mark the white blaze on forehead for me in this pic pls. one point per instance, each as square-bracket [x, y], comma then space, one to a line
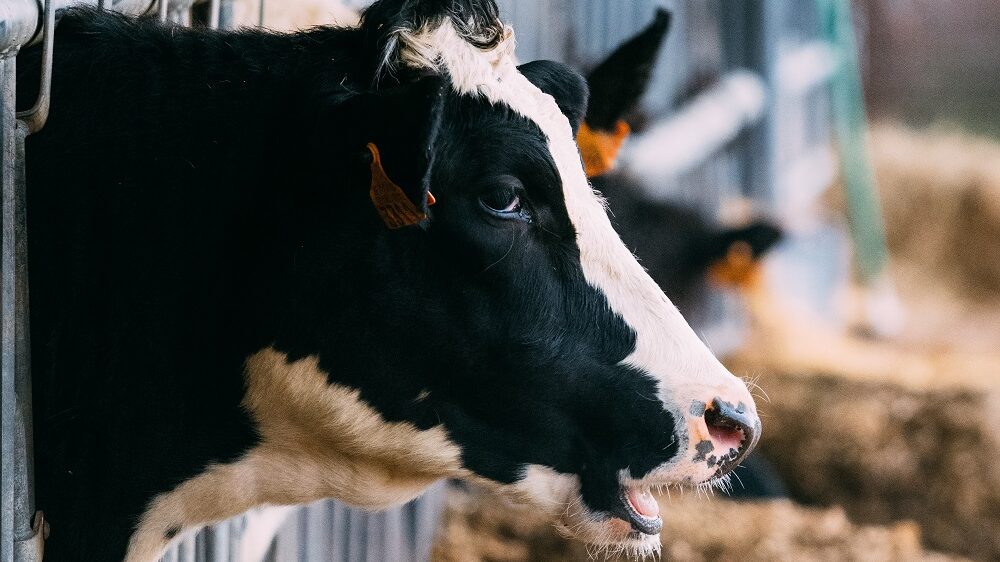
[666, 347]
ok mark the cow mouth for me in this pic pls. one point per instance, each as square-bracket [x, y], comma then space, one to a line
[640, 510]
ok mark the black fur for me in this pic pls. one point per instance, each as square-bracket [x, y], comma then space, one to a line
[618, 83]
[571, 95]
[197, 196]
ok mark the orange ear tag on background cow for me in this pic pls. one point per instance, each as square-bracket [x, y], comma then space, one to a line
[599, 149]
[389, 199]
[737, 269]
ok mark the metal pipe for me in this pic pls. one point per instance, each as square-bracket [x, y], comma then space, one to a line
[227, 17]
[19, 538]
[213, 14]
[21, 20]
[8, 401]
[34, 118]
[696, 130]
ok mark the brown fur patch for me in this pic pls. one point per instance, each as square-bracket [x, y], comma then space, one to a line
[318, 440]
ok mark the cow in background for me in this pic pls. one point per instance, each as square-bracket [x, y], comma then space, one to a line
[678, 246]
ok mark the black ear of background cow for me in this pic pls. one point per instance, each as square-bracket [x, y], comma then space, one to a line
[760, 236]
[476, 21]
[562, 83]
[619, 82]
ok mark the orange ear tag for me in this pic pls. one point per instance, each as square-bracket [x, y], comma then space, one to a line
[389, 199]
[599, 149]
[737, 269]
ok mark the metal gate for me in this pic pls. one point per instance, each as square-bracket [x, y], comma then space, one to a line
[757, 68]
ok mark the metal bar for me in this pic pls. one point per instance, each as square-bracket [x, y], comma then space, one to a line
[18, 537]
[179, 11]
[764, 25]
[8, 400]
[227, 17]
[34, 118]
[806, 68]
[21, 20]
[163, 8]
[213, 14]
[697, 131]
[260, 14]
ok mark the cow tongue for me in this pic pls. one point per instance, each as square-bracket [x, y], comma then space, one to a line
[643, 502]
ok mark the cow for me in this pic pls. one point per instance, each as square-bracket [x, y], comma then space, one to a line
[268, 269]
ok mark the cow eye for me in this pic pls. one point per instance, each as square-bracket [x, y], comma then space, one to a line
[505, 202]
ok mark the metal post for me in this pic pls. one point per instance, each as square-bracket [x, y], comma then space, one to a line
[213, 14]
[226, 15]
[34, 118]
[752, 31]
[179, 12]
[20, 540]
[8, 401]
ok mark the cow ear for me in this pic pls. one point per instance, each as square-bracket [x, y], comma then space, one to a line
[619, 82]
[759, 237]
[736, 253]
[562, 83]
[402, 125]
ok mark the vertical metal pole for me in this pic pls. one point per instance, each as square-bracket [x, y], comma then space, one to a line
[213, 14]
[260, 15]
[179, 11]
[164, 8]
[8, 401]
[226, 16]
[17, 537]
[752, 35]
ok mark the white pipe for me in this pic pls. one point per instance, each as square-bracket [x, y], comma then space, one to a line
[698, 129]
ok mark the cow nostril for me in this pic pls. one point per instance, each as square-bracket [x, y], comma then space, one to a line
[734, 431]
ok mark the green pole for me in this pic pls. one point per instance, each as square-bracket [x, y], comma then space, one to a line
[864, 213]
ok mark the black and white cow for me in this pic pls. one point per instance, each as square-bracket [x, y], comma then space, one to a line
[241, 294]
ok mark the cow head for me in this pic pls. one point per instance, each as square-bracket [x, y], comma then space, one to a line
[509, 314]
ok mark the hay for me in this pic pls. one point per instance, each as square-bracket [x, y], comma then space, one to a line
[885, 452]
[940, 194]
[481, 529]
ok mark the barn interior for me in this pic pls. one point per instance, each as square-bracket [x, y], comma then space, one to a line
[868, 132]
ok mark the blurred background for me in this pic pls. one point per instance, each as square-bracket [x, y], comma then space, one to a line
[816, 185]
